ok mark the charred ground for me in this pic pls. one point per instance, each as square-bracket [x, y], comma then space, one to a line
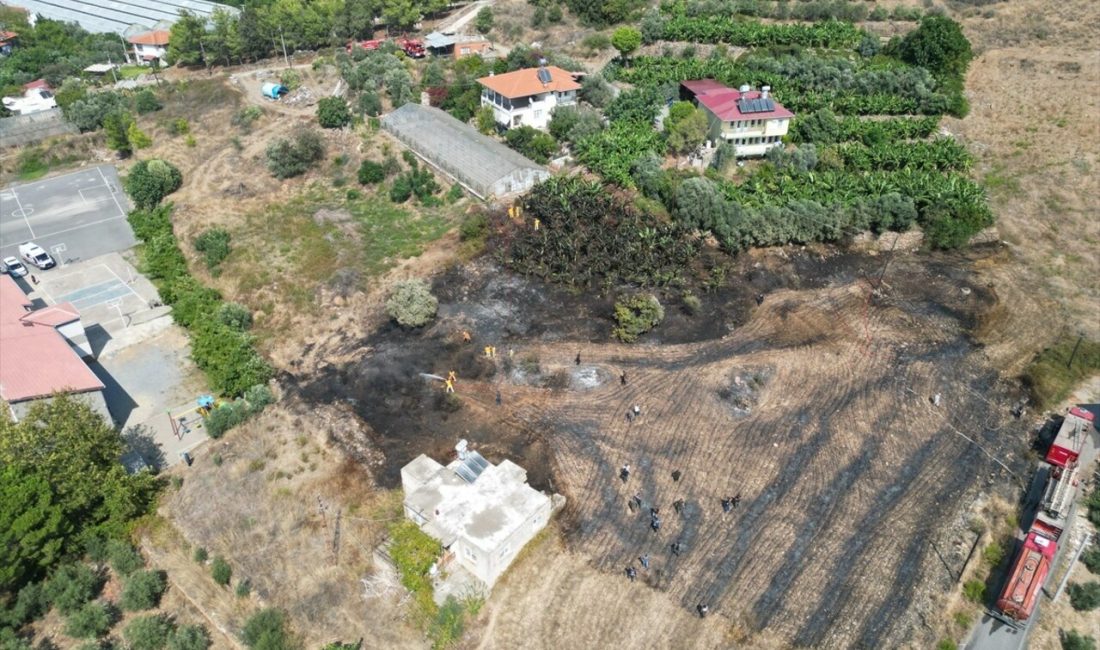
[814, 406]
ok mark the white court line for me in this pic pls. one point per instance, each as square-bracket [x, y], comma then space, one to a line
[87, 225]
[23, 212]
[128, 287]
[121, 212]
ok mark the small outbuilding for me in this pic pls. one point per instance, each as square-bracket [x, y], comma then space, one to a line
[273, 90]
[483, 514]
[482, 165]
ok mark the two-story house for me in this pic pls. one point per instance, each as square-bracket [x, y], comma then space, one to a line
[526, 97]
[751, 120]
[481, 513]
[150, 45]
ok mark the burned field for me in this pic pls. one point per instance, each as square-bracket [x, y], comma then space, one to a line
[816, 407]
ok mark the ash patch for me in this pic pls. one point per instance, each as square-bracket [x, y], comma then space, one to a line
[588, 377]
[744, 388]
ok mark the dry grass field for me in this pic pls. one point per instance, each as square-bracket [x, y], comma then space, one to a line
[815, 407]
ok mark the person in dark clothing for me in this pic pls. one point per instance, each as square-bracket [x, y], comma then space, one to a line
[703, 609]
[622, 378]
[678, 506]
[624, 473]
[498, 398]
[727, 504]
[737, 500]
[676, 475]
[637, 499]
[653, 512]
[677, 548]
[577, 361]
[631, 573]
[655, 524]
[644, 560]
[759, 299]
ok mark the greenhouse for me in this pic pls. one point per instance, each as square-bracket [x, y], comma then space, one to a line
[479, 163]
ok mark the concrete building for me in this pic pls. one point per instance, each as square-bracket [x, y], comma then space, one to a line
[483, 514]
[148, 46]
[751, 120]
[40, 353]
[527, 97]
[37, 97]
[456, 45]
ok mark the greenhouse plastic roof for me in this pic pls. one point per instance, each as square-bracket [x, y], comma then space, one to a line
[476, 160]
[118, 15]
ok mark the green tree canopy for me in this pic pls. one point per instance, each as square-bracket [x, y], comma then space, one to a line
[185, 40]
[151, 180]
[33, 528]
[939, 45]
[626, 40]
[483, 22]
[333, 113]
[65, 440]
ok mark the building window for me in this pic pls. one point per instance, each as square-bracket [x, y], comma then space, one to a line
[468, 552]
[464, 50]
[538, 114]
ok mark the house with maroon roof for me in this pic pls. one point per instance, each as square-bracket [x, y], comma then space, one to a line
[41, 353]
[751, 120]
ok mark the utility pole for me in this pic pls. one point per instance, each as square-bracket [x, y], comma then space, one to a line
[889, 258]
[113, 75]
[286, 59]
[205, 61]
[1074, 354]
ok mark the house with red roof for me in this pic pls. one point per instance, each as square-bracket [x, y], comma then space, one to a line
[7, 42]
[41, 353]
[526, 97]
[150, 45]
[751, 120]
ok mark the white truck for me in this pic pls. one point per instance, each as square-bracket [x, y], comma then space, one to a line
[33, 254]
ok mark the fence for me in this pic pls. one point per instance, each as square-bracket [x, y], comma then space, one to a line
[28, 129]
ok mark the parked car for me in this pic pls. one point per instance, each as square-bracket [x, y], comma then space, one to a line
[13, 267]
[33, 254]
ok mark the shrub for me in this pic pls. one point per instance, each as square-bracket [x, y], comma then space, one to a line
[90, 621]
[692, 303]
[974, 591]
[200, 555]
[993, 554]
[220, 569]
[963, 620]
[449, 623]
[596, 91]
[31, 603]
[333, 113]
[151, 180]
[146, 102]
[483, 22]
[147, 632]
[228, 358]
[1084, 597]
[288, 158]
[1091, 559]
[596, 42]
[291, 78]
[371, 173]
[189, 637]
[636, 315]
[411, 303]
[370, 104]
[1074, 640]
[246, 116]
[179, 126]
[124, 558]
[72, 586]
[234, 315]
[531, 142]
[244, 588]
[116, 126]
[214, 246]
[413, 553]
[267, 630]
[947, 644]
[143, 590]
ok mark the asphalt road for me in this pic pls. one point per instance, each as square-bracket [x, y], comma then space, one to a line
[992, 634]
[74, 217]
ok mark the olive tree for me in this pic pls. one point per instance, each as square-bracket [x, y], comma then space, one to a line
[411, 303]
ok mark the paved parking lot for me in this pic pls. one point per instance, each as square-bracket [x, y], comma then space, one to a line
[74, 217]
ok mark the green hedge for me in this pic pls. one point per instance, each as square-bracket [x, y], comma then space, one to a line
[227, 355]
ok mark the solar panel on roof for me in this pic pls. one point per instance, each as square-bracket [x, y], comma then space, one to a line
[758, 105]
[472, 467]
[544, 76]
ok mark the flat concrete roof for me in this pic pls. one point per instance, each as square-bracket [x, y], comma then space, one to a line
[485, 512]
